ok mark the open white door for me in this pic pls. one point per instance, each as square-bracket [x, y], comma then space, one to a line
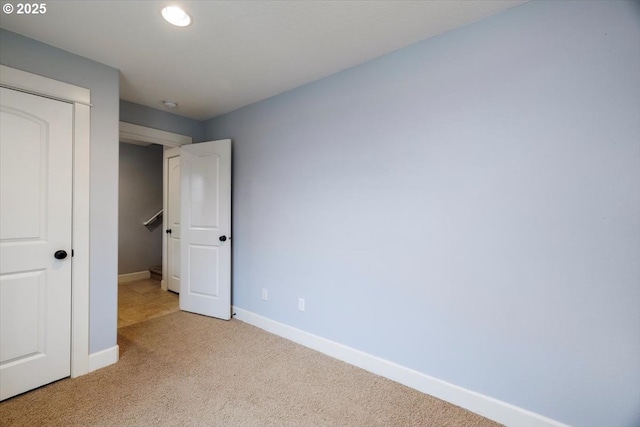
[172, 159]
[205, 244]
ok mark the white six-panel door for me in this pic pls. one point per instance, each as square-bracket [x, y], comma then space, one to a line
[35, 222]
[206, 228]
[173, 222]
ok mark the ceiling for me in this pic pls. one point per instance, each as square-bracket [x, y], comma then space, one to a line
[236, 53]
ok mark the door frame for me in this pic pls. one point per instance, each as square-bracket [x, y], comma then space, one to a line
[142, 135]
[80, 98]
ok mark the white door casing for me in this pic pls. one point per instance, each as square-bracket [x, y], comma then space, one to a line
[35, 221]
[206, 229]
[80, 98]
[173, 222]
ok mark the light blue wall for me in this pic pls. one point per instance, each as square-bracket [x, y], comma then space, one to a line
[29, 55]
[468, 207]
[163, 120]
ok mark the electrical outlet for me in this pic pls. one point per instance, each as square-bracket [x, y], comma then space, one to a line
[265, 294]
[301, 304]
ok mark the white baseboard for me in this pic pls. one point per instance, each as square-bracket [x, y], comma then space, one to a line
[101, 359]
[486, 406]
[131, 277]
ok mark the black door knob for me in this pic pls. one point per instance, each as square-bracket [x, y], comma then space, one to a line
[168, 231]
[60, 255]
[223, 238]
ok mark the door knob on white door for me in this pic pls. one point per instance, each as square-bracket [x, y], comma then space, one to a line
[60, 255]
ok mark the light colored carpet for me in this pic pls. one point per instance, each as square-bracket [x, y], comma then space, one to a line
[188, 370]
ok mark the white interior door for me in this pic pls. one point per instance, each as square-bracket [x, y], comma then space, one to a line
[206, 227]
[36, 137]
[173, 221]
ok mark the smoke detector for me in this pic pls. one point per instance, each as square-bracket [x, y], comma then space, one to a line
[170, 104]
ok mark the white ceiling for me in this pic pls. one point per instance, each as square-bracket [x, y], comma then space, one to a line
[238, 52]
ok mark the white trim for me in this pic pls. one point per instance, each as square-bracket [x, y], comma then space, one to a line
[132, 277]
[142, 135]
[81, 226]
[43, 86]
[486, 406]
[81, 100]
[104, 358]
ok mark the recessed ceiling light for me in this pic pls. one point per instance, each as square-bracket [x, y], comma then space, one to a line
[176, 16]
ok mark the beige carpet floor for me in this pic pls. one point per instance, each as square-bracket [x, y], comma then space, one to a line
[188, 370]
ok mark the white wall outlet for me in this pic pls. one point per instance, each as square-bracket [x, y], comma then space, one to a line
[301, 304]
[265, 294]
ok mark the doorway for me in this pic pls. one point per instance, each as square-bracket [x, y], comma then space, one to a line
[202, 264]
[148, 206]
[140, 235]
